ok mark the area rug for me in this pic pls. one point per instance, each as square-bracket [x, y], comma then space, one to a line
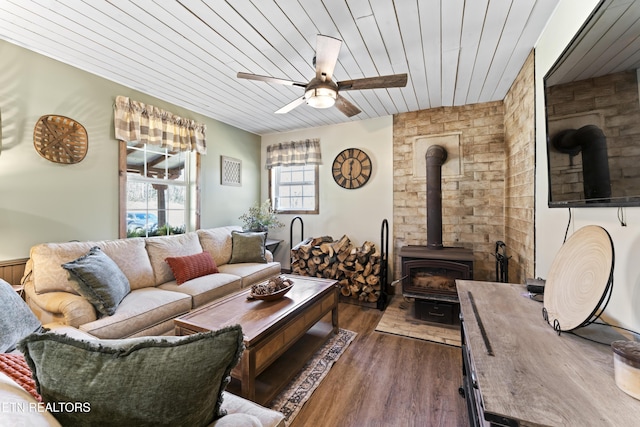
[399, 319]
[291, 399]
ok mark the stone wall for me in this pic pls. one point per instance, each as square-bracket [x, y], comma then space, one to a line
[473, 182]
[519, 135]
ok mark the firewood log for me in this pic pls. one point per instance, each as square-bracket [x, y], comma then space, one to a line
[340, 244]
[367, 269]
[304, 242]
[316, 241]
[334, 269]
[373, 280]
[312, 269]
[327, 249]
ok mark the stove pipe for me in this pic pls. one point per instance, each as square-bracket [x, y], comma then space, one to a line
[436, 156]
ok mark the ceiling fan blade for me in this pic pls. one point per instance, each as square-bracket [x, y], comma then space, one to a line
[393, 80]
[290, 106]
[267, 79]
[347, 108]
[327, 50]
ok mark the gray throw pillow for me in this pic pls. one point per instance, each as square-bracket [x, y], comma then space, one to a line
[146, 381]
[248, 246]
[16, 318]
[98, 278]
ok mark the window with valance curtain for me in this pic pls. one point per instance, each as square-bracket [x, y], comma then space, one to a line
[158, 169]
[294, 153]
[293, 176]
[144, 123]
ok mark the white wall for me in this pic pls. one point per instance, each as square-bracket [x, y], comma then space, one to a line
[357, 213]
[551, 223]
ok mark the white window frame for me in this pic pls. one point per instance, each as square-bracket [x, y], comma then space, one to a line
[276, 184]
[191, 174]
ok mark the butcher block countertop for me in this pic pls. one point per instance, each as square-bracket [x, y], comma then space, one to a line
[528, 373]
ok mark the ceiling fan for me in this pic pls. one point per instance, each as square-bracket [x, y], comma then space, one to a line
[321, 91]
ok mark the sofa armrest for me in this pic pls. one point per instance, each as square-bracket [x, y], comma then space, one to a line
[19, 408]
[60, 307]
[237, 405]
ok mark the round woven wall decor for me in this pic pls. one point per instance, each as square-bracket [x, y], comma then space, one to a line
[60, 139]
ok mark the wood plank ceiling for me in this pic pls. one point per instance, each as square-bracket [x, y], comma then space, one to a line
[188, 52]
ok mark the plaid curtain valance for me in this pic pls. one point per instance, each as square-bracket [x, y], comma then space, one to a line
[135, 121]
[294, 153]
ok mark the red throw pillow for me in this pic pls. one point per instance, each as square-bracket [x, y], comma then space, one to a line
[16, 368]
[191, 266]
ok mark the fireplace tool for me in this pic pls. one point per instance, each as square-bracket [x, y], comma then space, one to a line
[384, 264]
[502, 262]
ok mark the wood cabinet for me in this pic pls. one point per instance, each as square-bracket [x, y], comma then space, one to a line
[519, 372]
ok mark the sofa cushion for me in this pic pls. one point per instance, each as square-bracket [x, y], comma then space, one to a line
[191, 266]
[206, 288]
[16, 318]
[98, 278]
[248, 247]
[129, 254]
[132, 258]
[139, 381]
[217, 241]
[161, 247]
[252, 272]
[139, 310]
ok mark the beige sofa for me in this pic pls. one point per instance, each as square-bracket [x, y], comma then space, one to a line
[155, 298]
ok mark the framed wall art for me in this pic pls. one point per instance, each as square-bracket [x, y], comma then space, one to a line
[230, 171]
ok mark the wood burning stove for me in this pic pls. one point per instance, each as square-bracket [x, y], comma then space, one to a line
[429, 277]
[429, 272]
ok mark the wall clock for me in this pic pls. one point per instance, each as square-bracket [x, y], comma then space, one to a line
[351, 168]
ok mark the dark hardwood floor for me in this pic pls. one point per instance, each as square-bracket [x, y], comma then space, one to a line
[386, 380]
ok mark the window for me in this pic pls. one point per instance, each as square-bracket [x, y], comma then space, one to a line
[294, 189]
[157, 190]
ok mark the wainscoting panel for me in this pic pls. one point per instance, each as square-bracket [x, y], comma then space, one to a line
[12, 270]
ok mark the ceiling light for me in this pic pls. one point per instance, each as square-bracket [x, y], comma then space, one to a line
[321, 97]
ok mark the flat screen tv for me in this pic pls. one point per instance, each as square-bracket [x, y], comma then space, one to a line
[593, 112]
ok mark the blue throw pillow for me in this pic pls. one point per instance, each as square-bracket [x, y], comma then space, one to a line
[98, 278]
[16, 318]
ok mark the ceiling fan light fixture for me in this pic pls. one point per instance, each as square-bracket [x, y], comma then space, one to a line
[321, 97]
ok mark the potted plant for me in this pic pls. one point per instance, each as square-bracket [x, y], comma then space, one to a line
[260, 217]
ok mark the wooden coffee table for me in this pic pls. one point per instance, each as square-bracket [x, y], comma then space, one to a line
[279, 336]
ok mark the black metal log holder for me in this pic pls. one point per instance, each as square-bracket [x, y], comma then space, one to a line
[384, 265]
[291, 236]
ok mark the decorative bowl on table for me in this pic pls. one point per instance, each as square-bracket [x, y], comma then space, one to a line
[272, 289]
